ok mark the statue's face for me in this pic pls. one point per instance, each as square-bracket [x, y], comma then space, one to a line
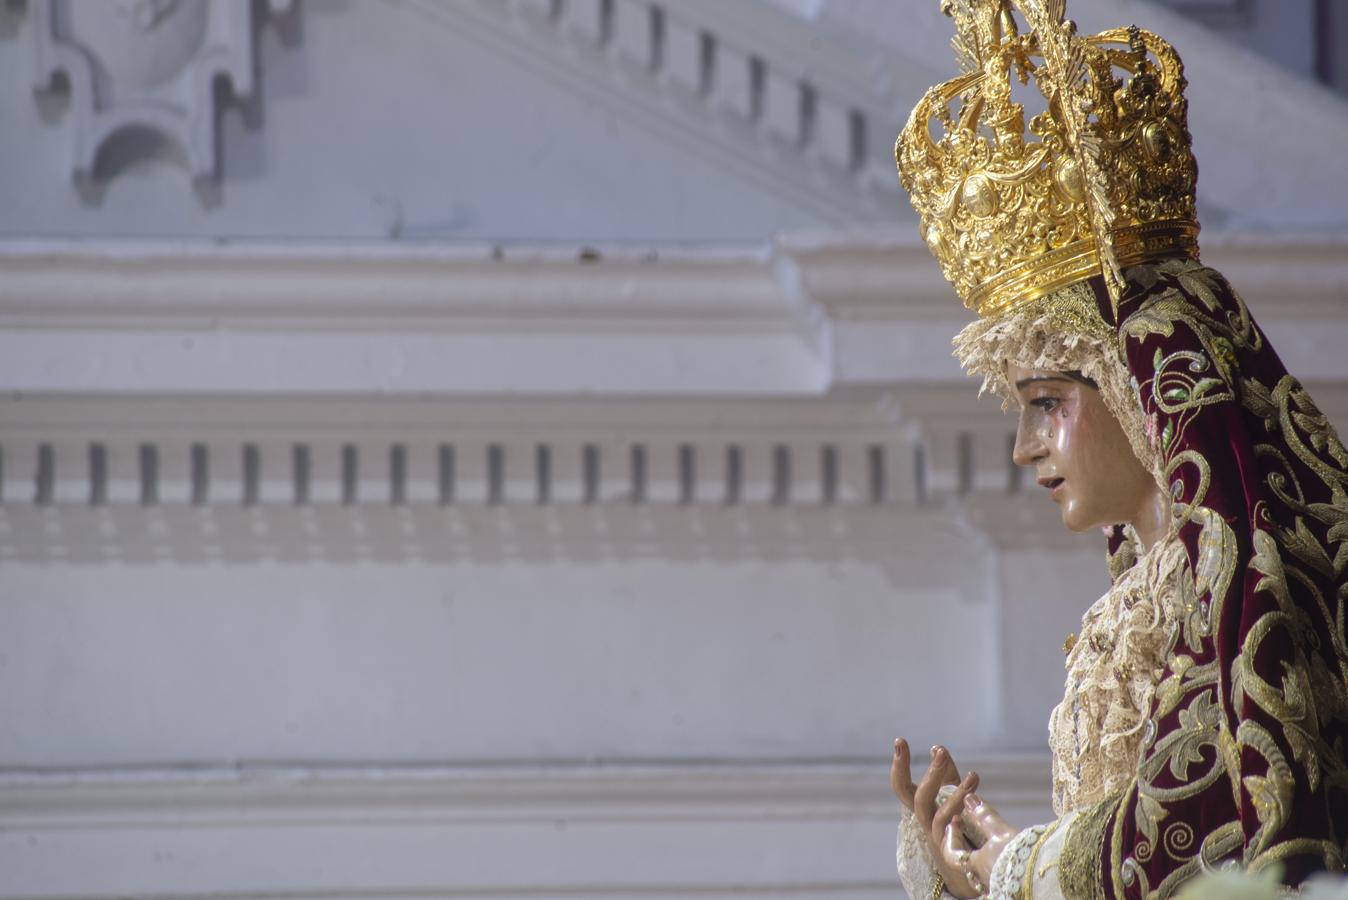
[1078, 450]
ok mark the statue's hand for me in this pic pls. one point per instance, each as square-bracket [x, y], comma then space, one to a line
[964, 813]
[931, 815]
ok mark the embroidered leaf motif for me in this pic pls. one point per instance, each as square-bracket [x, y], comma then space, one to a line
[1226, 746]
[1296, 693]
[1272, 798]
[1148, 815]
[1166, 435]
[1214, 568]
[1306, 548]
[1300, 710]
[1270, 793]
[1338, 532]
[1200, 287]
[1176, 395]
[1268, 562]
[1171, 691]
[1225, 356]
[1141, 325]
[1204, 385]
[1199, 727]
[1259, 400]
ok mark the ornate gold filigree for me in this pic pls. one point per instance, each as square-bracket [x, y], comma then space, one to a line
[1101, 180]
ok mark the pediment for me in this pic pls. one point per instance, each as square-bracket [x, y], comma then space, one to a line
[605, 121]
[489, 120]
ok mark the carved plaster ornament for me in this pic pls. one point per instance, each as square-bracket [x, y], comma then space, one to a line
[146, 67]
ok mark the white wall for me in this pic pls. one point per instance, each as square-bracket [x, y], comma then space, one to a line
[518, 659]
[243, 652]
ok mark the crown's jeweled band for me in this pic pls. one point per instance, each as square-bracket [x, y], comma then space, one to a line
[1078, 261]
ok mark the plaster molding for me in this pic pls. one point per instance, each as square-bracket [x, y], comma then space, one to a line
[859, 274]
[872, 275]
[152, 65]
[92, 450]
[800, 317]
[256, 792]
[374, 287]
[753, 89]
[296, 831]
[241, 477]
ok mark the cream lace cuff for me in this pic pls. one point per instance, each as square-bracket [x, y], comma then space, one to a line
[917, 866]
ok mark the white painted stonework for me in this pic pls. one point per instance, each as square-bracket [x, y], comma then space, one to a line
[138, 69]
[528, 462]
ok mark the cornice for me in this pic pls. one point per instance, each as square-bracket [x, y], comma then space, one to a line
[805, 315]
[867, 274]
[605, 790]
[812, 829]
[874, 274]
[373, 287]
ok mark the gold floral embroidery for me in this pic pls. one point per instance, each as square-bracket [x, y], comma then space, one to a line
[1082, 859]
[1219, 845]
[1299, 543]
[1324, 851]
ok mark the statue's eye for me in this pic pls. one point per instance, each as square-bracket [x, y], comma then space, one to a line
[1047, 404]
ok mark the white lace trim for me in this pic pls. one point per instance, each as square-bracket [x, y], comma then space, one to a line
[1095, 733]
[916, 864]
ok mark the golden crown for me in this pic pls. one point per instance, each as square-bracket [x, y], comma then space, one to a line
[1105, 181]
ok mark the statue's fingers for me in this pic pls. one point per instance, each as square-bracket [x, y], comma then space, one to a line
[901, 774]
[953, 855]
[985, 817]
[954, 845]
[941, 771]
[948, 771]
[952, 806]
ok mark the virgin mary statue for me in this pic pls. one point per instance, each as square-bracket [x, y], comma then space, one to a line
[1205, 719]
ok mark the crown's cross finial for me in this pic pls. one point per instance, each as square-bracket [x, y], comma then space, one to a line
[981, 26]
[1135, 43]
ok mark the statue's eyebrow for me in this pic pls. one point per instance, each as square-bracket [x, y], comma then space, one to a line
[1025, 382]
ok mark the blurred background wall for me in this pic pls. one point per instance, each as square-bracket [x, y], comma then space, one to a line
[510, 448]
